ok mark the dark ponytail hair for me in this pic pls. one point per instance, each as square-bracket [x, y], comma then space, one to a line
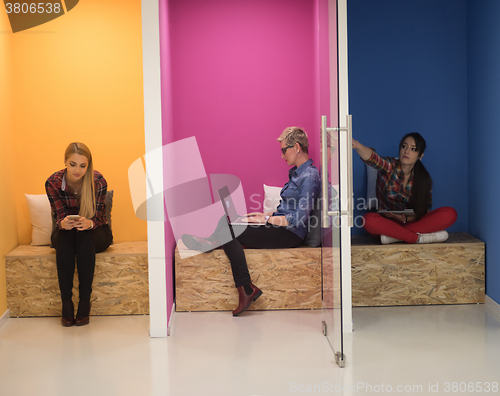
[422, 182]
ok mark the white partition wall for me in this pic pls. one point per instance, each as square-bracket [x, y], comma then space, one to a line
[154, 168]
[343, 111]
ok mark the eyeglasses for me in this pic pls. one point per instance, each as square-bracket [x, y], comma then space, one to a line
[283, 150]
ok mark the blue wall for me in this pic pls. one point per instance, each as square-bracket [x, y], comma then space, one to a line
[408, 72]
[484, 132]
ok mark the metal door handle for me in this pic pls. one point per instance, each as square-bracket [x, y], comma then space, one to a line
[350, 193]
[324, 172]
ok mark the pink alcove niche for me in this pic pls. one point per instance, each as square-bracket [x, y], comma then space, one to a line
[234, 75]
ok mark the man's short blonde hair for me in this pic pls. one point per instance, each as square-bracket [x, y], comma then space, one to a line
[292, 135]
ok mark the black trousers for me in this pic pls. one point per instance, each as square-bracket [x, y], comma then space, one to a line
[257, 237]
[82, 246]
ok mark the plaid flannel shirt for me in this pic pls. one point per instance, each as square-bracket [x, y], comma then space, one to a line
[63, 202]
[391, 192]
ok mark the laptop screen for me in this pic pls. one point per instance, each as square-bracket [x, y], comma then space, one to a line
[228, 204]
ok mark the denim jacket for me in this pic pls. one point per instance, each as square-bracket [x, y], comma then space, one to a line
[298, 195]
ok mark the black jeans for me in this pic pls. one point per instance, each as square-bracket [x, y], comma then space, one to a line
[260, 237]
[82, 245]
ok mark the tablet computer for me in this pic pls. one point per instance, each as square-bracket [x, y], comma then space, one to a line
[407, 212]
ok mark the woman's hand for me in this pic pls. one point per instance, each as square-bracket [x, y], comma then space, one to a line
[68, 224]
[82, 224]
[278, 220]
[364, 152]
[254, 217]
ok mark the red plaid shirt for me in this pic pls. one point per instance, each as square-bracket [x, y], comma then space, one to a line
[391, 193]
[63, 202]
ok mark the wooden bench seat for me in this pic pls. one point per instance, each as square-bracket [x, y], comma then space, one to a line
[120, 284]
[289, 278]
[382, 275]
[404, 274]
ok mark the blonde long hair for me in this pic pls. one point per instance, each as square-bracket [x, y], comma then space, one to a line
[87, 200]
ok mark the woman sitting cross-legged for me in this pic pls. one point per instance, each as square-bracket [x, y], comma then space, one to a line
[284, 228]
[404, 183]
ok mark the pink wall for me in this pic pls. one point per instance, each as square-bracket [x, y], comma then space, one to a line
[235, 74]
[322, 55]
[168, 137]
[324, 36]
[242, 71]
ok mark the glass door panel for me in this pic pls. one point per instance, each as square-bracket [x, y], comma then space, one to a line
[331, 243]
[336, 186]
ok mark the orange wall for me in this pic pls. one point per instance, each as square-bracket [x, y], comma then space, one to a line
[8, 220]
[79, 78]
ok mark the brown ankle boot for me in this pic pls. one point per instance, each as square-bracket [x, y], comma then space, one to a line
[245, 299]
[68, 312]
[83, 313]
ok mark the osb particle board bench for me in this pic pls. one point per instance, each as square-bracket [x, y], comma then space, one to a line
[290, 279]
[404, 274]
[120, 284]
[382, 275]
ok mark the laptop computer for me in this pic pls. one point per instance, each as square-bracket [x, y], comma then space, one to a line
[229, 209]
[408, 212]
